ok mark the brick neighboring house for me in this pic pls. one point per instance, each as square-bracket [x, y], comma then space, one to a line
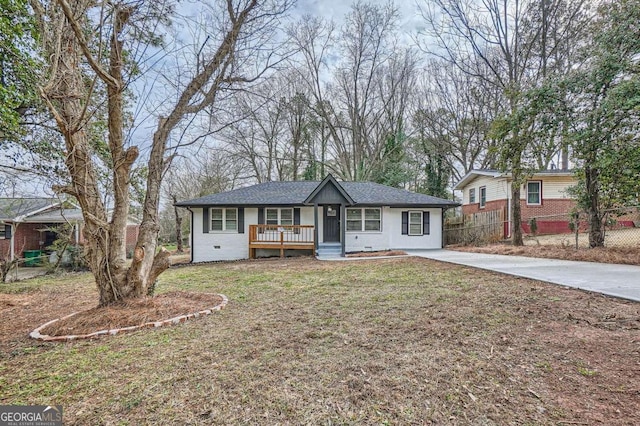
[25, 224]
[544, 193]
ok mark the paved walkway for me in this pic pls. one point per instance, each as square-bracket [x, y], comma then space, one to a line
[24, 273]
[614, 280]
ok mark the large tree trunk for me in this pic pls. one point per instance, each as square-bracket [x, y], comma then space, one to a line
[516, 214]
[596, 234]
[67, 95]
[64, 95]
[516, 211]
[179, 248]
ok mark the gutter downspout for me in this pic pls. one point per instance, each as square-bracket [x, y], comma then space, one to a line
[342, 222]
[444, 209]
[190, 235]
[315, 229]
[509, 218]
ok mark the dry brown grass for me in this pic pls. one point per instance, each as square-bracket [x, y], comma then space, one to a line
[619, 255]
[615, 238]
[396, 341]
[133, 313]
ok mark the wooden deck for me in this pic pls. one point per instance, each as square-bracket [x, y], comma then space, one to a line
[280, 237]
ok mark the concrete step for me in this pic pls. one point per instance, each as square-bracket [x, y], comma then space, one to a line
[329, 251]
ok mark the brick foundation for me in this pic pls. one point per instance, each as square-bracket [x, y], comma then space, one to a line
[489, 205]
[557, 211]
[547, 208]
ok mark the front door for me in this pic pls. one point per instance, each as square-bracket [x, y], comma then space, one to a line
[331, 224]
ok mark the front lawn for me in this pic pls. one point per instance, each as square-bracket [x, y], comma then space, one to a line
[396, 341]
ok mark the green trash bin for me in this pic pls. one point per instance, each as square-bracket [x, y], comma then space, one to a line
[32, 257]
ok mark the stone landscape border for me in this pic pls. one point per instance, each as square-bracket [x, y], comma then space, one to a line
[35, 334]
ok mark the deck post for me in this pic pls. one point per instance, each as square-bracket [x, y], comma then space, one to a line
[315, 228]
[281, 244]
[280, 238]
[251, 239]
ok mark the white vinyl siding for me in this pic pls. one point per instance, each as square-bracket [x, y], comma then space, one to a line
[495, 189]
[554, 187]
[367, 219]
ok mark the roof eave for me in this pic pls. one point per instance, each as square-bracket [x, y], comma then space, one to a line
[22, 217]
[473, 174]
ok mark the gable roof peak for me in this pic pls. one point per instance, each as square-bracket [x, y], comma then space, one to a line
[329, 180]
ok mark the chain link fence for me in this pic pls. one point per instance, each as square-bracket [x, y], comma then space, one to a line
[621, 229]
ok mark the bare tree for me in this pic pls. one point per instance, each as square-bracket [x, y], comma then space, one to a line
[455, 111]
[506, 45]
[97, 38]
[209, 172]
[364, 104]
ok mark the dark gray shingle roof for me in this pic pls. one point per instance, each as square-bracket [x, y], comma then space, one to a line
[295, 193]
[11, 208]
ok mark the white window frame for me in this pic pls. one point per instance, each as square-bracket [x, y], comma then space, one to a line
[410, 214]
[539, 182]
[279, 216]
[363, 219]
[224, 219]
[3, 234]
[472, 196]
[482, 196]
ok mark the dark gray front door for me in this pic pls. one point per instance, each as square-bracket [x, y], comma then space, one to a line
[331, 224]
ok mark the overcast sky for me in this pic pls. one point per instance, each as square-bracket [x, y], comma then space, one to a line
[337, 9]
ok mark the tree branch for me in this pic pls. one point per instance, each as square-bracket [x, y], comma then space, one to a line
[101, 72]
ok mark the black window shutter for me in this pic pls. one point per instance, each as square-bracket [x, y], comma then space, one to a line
[405, 223]
[260, 220]
[425, 223]
[296, 219]
[296, 216]
[7, 231]
[205, 220]
[240, 220]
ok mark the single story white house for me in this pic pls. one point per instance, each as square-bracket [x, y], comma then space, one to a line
[326, 218]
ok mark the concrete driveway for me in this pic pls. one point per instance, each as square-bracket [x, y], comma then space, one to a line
[614, 280]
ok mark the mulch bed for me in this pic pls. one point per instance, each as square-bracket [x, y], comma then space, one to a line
[378, 253]
[619, 255]
[133, 313]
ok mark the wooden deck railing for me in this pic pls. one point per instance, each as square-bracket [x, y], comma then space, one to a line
[280, 237]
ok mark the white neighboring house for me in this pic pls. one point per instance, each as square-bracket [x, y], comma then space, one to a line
[326, 218]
